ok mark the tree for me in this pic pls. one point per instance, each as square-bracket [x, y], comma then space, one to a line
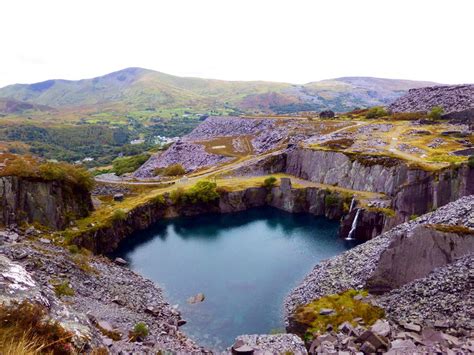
[436, 112]
[269, 182]
[376, 112]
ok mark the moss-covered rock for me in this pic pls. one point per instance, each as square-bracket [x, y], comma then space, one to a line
[333, 310]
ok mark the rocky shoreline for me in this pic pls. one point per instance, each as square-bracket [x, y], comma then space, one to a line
[106, 300]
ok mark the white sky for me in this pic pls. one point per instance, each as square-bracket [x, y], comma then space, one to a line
[293, 41]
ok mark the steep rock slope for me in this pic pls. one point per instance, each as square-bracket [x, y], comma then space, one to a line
[454, 98]
[354, 268]
[48, 202]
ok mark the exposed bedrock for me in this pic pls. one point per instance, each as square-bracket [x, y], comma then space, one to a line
[407, 252]
[189, 155]
[413, 190]
[429, 247]
[105, 239]
[453, 98]
[51, 203]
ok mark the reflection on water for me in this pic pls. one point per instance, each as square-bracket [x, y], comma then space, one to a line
[244, 263]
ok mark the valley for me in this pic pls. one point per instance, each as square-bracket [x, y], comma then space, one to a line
[252, 192]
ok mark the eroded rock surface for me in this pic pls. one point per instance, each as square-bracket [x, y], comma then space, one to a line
[106, 297]
[453, 98]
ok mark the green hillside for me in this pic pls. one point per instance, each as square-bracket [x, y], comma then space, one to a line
[134, 89]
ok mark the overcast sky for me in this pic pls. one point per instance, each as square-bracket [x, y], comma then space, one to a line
[292, 41]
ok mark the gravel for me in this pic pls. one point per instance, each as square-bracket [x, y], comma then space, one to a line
[353, 268]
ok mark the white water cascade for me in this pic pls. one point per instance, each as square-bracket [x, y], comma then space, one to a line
[350, 236]
[353, 202]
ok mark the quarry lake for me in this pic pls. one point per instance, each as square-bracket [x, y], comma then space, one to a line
[244, 263]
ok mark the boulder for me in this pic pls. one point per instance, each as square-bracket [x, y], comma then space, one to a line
[327, 114]
[121, 262]
[381, 327]
[196, 299]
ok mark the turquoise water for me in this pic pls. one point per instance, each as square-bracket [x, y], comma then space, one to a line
[244, 263]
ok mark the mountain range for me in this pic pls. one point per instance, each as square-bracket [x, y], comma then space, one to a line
[138, 89]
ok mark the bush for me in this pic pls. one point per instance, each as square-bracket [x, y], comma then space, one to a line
[376, 112]
[63, 289]
[173, 170]
[129, 164]
[269, 182]
[470, 162]
[436, 113]
[140, 331]
[346, 308]
[119, 215]
[203, 191]
[30, 167]
[24, 329]
[331, 200]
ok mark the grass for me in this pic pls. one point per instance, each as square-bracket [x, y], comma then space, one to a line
[62, 288]
[345, 307]
[25, 329]
[456, 229]
[29, 167]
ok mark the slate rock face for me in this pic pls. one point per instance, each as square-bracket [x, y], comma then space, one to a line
[453, 98]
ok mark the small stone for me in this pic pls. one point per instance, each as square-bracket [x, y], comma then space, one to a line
[105, 325]
[244, 349]
[381, 327]
[346, 328]
[411, 326]
[45, 241]
[368, 348]
[107, 341]
[181, 322]
[118, 197]
[430, 336]
[196, 299]
[451, 339]
[121, 262]
[441, 324]
[20, 255]
[358, 297]
[118, 301]
[326, 311]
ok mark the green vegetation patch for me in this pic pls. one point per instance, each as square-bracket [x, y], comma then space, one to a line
[202, 192]
[376, 112]
[63, 289]
[140, 331]
[346, 307]
[25, 329]
[172, 170]
[32, 168]
[456, 229]
[129, 164]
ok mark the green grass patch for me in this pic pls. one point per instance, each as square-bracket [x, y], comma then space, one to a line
[345, 307]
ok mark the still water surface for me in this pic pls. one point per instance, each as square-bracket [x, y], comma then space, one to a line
[244, 263]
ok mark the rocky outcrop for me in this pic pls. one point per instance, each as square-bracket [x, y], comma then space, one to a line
[353, 269]
[426, 263]
[268, 344]
[414, 191]
[106, 238]
[453, 98]
[189, 155]
[51, 203]
[265, 134]
[429, 247]
[104, 301]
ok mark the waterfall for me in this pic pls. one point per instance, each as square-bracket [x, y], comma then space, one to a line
[350, 236]
[353, 202]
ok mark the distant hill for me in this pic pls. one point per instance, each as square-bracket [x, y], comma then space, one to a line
[12, 106]
[135, 89]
